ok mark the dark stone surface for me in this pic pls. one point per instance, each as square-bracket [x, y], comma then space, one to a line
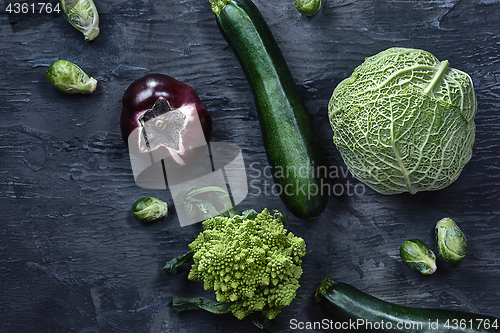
[72, 257]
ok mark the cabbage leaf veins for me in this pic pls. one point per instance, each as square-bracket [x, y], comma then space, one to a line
[404, 121]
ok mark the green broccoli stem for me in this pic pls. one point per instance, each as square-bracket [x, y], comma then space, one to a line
[218, 5]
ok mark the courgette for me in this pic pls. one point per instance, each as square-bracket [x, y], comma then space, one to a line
[291, 146]
[357, 310]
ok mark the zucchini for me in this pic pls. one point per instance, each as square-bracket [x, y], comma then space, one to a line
[346, 304]
[291, 146]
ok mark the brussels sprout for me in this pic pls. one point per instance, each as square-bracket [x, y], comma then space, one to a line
[69, 78]
[308, 7]
[452, 243]
[404, 121]
[149, 209]
[418, 256]
[83, 15]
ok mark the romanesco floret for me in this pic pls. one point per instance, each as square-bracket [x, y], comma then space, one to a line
[250, 261]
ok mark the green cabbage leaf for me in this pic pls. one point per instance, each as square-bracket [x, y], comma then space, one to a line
[404, 121]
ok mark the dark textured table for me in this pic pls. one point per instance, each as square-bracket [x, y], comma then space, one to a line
[72, 257]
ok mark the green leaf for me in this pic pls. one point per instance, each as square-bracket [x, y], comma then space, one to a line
[198, 303]
[175, 266]
[278, 216]
[261, 321]
[179, 304]
[298, 298]
[250, 214]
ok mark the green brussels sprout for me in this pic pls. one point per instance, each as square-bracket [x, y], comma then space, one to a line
[83, 16]
[418, 256]
[69, 78]
[308, 7]
[149, 210]
[452, 243]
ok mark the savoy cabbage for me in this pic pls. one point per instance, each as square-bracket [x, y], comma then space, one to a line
[404, 121]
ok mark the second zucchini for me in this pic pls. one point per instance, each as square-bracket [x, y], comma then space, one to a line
[366, 313]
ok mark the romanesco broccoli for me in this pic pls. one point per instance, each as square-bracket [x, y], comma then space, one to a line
[249, 261]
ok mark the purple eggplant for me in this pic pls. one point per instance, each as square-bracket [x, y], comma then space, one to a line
[164, 116]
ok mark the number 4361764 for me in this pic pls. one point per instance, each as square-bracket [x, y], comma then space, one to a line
[479, 324]
[32, 8]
